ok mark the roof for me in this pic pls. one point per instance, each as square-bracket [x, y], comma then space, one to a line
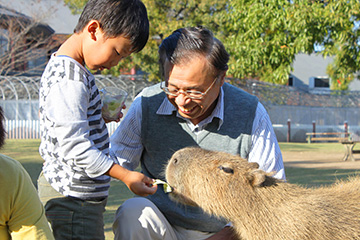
[7, 13]
[53, 13]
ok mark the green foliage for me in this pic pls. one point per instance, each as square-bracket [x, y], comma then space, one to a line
[341, 17]
[262, 36]
[271, 32]
[75, 6]
[166, 16]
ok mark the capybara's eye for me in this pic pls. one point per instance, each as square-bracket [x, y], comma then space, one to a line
[175, 161]
[226, 169]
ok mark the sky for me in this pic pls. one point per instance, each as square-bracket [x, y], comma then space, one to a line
[52, 12]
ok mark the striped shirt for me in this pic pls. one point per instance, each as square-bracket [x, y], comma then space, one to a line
[127, 147]
[74, 137]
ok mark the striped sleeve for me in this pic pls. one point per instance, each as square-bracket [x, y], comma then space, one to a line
[265, 149]
[125, 142]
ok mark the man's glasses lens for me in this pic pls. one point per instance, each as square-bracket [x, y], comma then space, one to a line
[189, 93]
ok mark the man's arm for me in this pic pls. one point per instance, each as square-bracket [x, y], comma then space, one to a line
[125, 142]
[265, 149]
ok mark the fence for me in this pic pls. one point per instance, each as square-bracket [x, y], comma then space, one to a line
[329, 110]
[30, 129]
[22, 129]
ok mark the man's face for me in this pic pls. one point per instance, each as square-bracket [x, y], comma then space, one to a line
[194, 75]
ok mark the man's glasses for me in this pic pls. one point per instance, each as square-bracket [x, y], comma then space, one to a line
[188, 93]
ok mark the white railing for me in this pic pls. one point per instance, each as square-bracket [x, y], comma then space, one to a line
[30, 129]
[23, 129]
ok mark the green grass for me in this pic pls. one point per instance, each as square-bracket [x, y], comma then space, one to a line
[313, 177]
[26, 151]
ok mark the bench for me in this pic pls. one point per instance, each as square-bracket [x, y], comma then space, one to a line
[349, 151]
[328, 137]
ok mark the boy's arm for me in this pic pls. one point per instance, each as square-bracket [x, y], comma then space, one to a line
[68, 108]
[74, 140]
[126, 147]
[137, 182]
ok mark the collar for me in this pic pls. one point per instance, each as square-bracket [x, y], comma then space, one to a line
[87, 71]
[166, 108]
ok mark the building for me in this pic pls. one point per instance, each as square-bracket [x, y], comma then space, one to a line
[24, 42]
[52, 12]
[29, 32]
[309, 72]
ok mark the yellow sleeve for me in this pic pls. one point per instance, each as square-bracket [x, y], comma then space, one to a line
[22, 213]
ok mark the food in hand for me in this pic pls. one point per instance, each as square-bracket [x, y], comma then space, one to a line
[166, 186]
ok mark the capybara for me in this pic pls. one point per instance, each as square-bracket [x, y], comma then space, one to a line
[260, 206]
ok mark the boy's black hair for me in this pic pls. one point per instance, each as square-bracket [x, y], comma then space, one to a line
[118, 17]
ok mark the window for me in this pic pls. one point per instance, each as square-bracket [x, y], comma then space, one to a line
[290, 81]
[319, 82]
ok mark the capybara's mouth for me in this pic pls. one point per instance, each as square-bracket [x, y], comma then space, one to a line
[177, 196]
[166, 186]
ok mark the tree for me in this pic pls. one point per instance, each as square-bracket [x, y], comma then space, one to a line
[342, 20]
[270, 33]
[262, 36]
[25, 44]
[166, 16]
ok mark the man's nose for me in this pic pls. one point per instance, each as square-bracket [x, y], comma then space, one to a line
[182, 98]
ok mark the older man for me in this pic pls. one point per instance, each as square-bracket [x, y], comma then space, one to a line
[192, 106]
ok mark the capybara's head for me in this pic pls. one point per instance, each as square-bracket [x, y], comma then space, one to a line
[205, 178]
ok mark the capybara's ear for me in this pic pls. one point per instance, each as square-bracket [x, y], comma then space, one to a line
[253, 165]
[256, 177]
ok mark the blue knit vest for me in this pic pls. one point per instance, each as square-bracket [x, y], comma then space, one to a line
[162, 135]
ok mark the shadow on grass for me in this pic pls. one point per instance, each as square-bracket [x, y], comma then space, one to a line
[34, 169]
[318, 147]
[314, 177]
[118, 193]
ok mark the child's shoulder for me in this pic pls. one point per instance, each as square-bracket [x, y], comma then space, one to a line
[65, 67]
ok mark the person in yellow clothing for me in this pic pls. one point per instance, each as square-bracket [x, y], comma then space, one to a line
[22, 215]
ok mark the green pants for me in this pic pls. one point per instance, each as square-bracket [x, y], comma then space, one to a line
[72, 218]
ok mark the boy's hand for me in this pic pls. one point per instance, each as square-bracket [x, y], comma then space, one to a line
[120, 115]
[140, 184]
[137, 182]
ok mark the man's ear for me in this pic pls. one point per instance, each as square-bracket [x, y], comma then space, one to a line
[222, 77]
[93, 27]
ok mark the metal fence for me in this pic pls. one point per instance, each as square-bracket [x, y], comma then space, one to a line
[30, 129]
[19, 99]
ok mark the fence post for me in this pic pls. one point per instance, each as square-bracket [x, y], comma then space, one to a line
[314, 126]
[288, 132]
[346, 128]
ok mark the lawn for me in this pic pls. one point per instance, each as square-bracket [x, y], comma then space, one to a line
[26, 151]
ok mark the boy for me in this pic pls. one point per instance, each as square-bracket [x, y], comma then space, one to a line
[74, 140]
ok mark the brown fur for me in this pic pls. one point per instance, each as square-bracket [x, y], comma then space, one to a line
[258, 205]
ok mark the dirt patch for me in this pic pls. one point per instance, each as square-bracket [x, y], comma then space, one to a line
[312, 159]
